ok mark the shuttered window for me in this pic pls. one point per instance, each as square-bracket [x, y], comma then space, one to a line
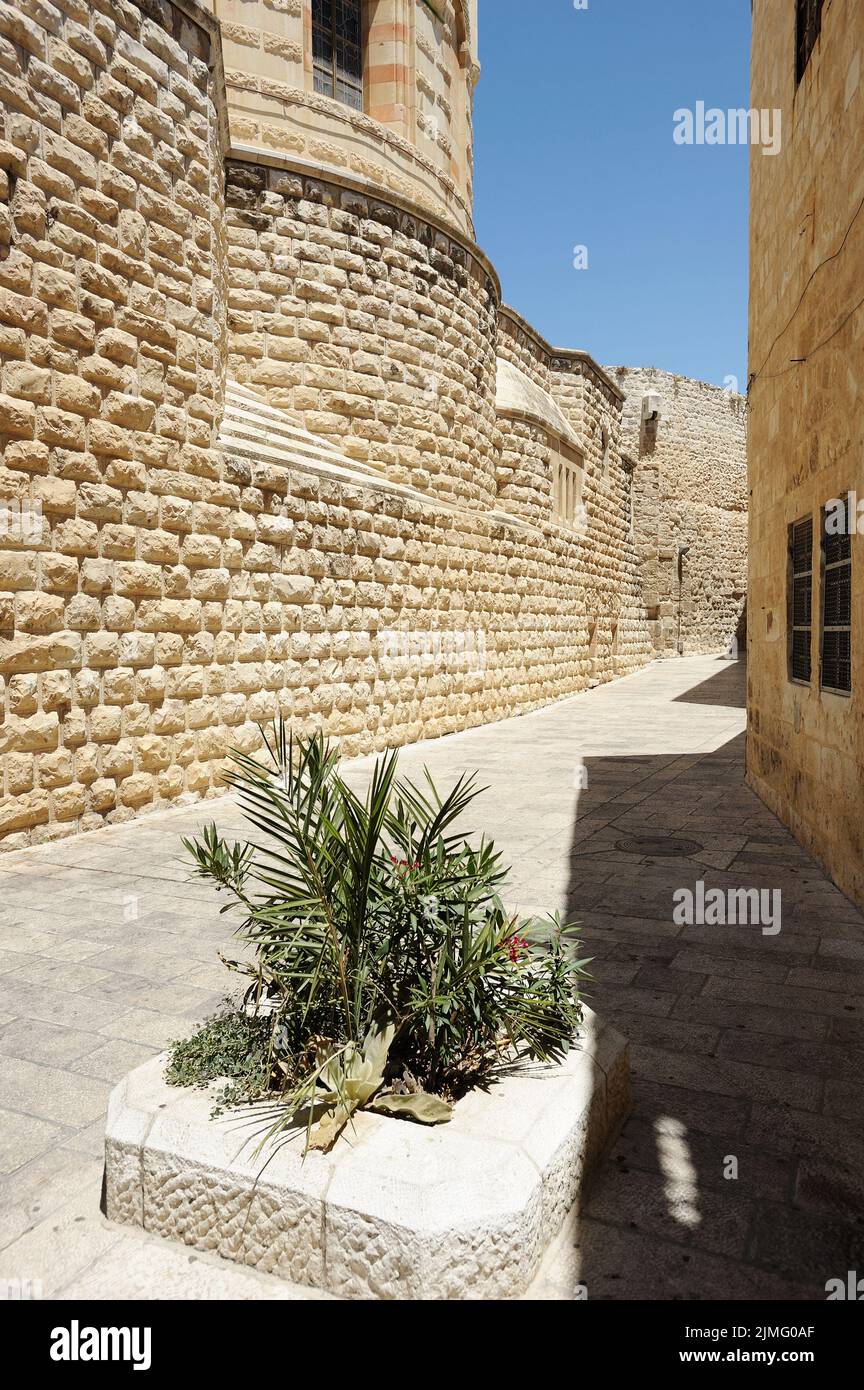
[836, 672]
[808, 29]
[337, 50]
[800, 598]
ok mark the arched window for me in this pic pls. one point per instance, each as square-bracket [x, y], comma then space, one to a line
[337, 50]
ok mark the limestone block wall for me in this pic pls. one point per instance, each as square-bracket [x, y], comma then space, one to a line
[368, 324]
[591, 403]
[587, 397]
[445, 73]
[111, 348]
[162, 590]
[177, 595]
[425, 619]
[689, 489]
[413, 138]
[806, 745]
[525, 460]
[536, 439]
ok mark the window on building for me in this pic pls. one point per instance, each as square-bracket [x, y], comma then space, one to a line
[808, 28]
[337, 50]
[800, 598]
[836, 673]
[567, 506]
[629, 468]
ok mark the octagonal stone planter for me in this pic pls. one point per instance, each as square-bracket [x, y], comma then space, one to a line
[465, 1210]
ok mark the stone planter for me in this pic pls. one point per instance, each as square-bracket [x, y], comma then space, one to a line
[397, 1210]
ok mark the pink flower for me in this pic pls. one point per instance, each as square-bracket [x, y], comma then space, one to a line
[404, 864]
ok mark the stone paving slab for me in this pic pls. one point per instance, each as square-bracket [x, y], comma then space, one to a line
[741, 1045]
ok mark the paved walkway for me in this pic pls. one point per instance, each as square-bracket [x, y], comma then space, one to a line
[745, 1047]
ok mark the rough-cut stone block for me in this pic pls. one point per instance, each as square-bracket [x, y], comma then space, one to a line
[397, 1210]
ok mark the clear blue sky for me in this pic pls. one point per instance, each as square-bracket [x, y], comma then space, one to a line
[573, 145]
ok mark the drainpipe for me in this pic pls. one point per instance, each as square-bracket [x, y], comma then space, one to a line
[682, 551]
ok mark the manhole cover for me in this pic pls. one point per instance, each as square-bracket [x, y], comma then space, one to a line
[652, 844]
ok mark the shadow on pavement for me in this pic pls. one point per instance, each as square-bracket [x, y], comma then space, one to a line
[726, 688]
[738, 1173]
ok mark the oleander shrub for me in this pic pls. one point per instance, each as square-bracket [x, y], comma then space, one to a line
[385, 971]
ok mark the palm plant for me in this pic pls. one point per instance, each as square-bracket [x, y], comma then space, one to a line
[394, 976]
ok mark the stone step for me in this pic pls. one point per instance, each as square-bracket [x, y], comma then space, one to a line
[278, 426]
[346, 471]
[240, 432]
[254, 429]
[258, 409]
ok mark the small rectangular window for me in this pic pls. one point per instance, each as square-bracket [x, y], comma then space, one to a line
[836, 673]
[800, 603]
[567, 508]
[337, 50]
[808, 27]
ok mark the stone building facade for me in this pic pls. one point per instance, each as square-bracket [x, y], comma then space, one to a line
[271, 442]
[411, 133]
[806, 741]
[689, 507]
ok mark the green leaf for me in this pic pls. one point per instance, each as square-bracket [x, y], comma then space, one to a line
[421, 1107]
[378, 940]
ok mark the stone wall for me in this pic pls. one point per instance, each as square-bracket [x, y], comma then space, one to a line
[111, 347]
[368, 324]
[525, 460]
[413, 138]
[806, 744]
[603, 550]
[689, 489]
[164, 589]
